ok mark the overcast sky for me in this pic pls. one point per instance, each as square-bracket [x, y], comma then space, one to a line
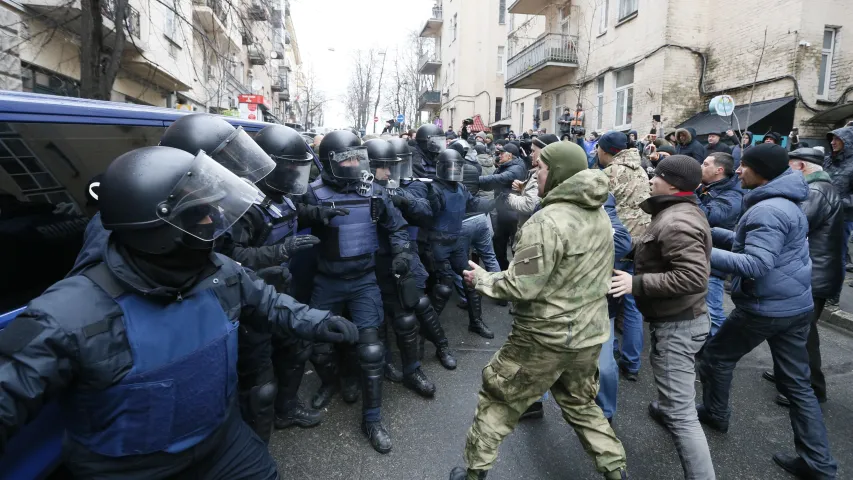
[361, 24]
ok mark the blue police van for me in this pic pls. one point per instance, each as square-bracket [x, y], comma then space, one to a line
[50, 147]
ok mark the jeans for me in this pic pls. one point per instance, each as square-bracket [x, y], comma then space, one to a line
[632, 328]
[608, 377]
[477, 234]
[505, 228]
[715, 303]
[672, 358]
[787, 337]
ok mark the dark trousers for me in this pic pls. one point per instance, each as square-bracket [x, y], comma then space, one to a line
[787, 337]
[813, 347]
[505, 228]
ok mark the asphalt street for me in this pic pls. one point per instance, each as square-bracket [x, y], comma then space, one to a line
[429, 434]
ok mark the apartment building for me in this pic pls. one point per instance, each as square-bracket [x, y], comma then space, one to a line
[463, 61]
[627, 60]
[197, 55]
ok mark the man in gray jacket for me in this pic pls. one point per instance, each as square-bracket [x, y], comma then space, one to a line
[510, 168]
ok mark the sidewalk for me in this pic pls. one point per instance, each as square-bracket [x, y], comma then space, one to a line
[841, 316]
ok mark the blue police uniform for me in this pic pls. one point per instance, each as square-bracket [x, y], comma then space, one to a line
[146, 374]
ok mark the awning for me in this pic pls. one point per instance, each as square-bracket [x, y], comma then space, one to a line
[478, 125]
[834, 115]
[504, 122]
[707, 122]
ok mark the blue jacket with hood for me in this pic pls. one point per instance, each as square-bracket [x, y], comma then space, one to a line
[769, 255]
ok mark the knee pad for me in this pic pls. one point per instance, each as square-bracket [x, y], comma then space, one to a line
[370, 349]
[405, 323]
[264, 395]
[443, 290]
[423, 305]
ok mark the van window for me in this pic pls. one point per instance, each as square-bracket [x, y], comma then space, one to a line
[44, 172]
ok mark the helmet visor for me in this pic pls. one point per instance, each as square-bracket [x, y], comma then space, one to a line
[386, 172]
[207, 193]
[450, 170]
[290, 176]
[437, 143]
[350, 164]
[242, 156]
[406, 165]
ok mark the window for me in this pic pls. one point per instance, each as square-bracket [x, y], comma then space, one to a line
[521, 117]
[498, 106]
[564, 19]
[501, 63]
[624, 97]
[626, 8]
[600, 103]
[502, 12]
[826, 56]
[537, 110]
[559, 107]
[170, 30]
[453, 25]
[602, 19]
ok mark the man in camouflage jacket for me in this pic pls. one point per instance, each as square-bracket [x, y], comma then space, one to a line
[557, 281]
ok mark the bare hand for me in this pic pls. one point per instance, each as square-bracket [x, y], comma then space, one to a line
[621, 284]
[468, 275]
[517, 185]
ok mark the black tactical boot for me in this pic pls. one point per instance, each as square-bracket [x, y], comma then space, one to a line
[406, 326]
[299, 415]
[392, 373]
[445, 355]
[475, 315]
[418, 382]
[289, 410]
[350, 373]
[371, 358]
[349, 389]
[431, 330]
[460, 473]
[378, 436]
[257, 405]
[324, 359]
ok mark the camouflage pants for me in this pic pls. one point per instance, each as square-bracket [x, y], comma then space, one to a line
[518, 375]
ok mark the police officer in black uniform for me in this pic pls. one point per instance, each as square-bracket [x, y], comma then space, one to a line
[429, 142]
[346, 277]
[141, 349]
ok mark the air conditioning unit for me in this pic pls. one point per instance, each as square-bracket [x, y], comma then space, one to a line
[232, 103]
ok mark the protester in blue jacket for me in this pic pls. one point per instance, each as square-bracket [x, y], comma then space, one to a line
[769, 259]
[721, 198]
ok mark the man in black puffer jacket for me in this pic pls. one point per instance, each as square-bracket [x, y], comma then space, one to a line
[510, 168]
[839, 165]
[686, 144]
[826, 226]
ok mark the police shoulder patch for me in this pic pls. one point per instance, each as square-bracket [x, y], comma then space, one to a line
[18, 334]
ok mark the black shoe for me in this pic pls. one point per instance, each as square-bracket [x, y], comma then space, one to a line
[299, 416]
[349, 389]
[378, 436]
[630, 376]
[832, 302]
[418, 382]
[502, 303]
[706, 418]
[782, 400]
[463, 304]
[655, 413]
[620, 474]
[849, 267]
[537, 410]
[460, 473]
[445, 356]
[794, 465]
[324, 395]
[392, 373]
[768, 375]
[480, 328]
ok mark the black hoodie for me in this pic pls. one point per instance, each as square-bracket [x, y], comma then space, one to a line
[691, 147]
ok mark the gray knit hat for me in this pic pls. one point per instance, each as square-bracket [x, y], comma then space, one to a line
[680, 171]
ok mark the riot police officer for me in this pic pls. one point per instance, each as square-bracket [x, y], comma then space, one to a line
[141, 349]
[345, 272]
[411, 199]
[399, 292]
[450, 200]
[430, 141]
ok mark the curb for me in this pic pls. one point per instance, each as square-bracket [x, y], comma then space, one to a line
[838, 318]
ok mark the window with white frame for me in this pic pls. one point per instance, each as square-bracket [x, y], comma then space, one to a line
[502, 12]
[521, 117]
[559, 107]
[599, 102]
[602, 18]
[564, 19]
[624, 97]
[826, 56]
[501, 63]
[627, 8]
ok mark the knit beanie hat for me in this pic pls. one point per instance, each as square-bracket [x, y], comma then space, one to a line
[613, 142]
[564, 160]
[680, 171]
[545, 140]
[776, 136]
[767, 159]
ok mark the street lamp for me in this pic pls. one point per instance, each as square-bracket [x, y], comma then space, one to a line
[379, 90]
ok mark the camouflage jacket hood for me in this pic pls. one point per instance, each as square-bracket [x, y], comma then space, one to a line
[629, 183]
[560, 274]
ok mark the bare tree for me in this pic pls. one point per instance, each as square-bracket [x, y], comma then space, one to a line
[361, 88]
[314, 99]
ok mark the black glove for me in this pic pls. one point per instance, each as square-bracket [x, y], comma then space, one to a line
[317, 215]
[296, 243]
[335, 329]
[327, 214]
[400, 202]
[400, 263]
[276, 276]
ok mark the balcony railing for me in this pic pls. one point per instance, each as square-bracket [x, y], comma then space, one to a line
[257, 55]
[436, 12]
[551, 48]
[259, 11]
[218, 7]
[429, 99]
[428, 64]
[131, 19]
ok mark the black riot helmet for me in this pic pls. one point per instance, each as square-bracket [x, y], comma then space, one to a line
[232, 147]
[430, 138]
[404, 153]
[156, 199]
[344, 159]
[384, 162]
[292, 159]
[449, 166]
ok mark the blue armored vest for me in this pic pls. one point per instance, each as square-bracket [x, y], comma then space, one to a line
[279, 222]
[449, 220]
[347, 236]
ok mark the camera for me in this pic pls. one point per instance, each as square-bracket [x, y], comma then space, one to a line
[578, 131]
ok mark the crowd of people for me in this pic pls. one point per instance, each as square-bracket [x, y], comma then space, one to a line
[198, 260]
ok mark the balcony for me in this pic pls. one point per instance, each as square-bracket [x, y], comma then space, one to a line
[258, 11]
[276, 16]
[544, 59]
[164, 76]
[279, 84]
[429, 100]
[257, 55]
[428, 64]
[432, 27]
[247, 37]
[284, 96]
[212, 17]
[67, 14]
[530, 7]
